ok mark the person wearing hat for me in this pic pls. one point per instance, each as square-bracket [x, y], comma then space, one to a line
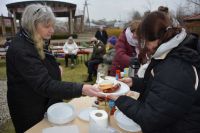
[110, 53]
[96, 58]
[70, 49]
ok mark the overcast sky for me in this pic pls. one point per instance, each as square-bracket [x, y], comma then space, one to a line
[112, 9]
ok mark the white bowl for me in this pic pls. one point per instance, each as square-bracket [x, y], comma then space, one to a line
[60, 113]
[125, 123]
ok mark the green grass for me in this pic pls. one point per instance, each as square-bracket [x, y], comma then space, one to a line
[7, 127]
[77, 74]
[2, 69]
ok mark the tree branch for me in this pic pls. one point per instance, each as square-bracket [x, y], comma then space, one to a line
[196, 3]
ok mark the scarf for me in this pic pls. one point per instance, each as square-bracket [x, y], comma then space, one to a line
[129, 37]
[166, 47]
[163, 50]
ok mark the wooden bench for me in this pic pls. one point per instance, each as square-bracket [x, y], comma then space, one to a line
[2, 52]
[83, 52]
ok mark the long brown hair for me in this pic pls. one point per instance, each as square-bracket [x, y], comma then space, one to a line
[157, 25]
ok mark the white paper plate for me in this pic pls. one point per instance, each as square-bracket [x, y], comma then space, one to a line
[84, 114]
[60, 113]
[62, 129]
[125, 123]
[121, 91]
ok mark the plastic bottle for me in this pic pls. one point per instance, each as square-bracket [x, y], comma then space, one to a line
[118, 74]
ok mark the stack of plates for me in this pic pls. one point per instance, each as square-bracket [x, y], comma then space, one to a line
[60, 113]
[125, 123]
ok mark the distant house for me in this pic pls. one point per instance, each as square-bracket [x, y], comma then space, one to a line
[192, 23]
[120, 24]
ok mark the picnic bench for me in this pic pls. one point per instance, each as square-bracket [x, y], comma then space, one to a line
[2, 52]
[82, 54]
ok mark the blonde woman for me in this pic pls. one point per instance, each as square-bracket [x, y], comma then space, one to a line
[33, 74]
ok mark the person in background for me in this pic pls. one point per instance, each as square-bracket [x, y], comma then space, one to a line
[169, 100]
[33, 75]
[96, 58]
[127, 47]
[102, 35]
[7, 43]
[108, 56]
[70, 49]
[110, 50]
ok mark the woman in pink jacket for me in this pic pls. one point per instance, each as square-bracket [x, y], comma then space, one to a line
[126, 48]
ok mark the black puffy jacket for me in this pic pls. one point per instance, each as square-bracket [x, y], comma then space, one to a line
[168, 102]
[33, 84]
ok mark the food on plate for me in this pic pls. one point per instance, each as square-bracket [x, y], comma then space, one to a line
[109, 87]
[106, 84]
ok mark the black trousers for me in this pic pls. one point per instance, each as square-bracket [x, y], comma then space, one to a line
[71, 56]
[91, 65]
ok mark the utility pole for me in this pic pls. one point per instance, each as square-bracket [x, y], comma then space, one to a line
[86, 8]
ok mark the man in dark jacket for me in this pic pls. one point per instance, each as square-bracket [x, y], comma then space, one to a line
[34, 78]
[96, 58]
[102, 35]
[169, 99]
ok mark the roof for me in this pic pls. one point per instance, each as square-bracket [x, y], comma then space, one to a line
[192, 18]
[60, 8]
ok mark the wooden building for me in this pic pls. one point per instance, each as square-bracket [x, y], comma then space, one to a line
[192, 23]
[60, 9]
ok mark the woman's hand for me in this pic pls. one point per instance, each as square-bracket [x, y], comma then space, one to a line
[91, 91]
[127, 81]
[113, 97]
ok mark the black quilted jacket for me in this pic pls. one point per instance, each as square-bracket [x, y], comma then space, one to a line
[33, 84]
[169, 102]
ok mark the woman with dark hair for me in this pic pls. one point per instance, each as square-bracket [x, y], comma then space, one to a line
[169, 99]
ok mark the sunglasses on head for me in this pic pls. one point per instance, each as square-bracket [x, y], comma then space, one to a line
[39, 10]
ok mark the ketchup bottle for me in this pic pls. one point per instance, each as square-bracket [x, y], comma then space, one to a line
[118, 74]
[112, 107]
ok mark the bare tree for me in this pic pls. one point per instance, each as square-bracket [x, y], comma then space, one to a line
[196, 2]
[146, 13]
[194, 5]
[148, 5]
[180, 13]
[136, 15]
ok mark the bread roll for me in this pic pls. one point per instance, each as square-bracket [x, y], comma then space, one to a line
[106, 84]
